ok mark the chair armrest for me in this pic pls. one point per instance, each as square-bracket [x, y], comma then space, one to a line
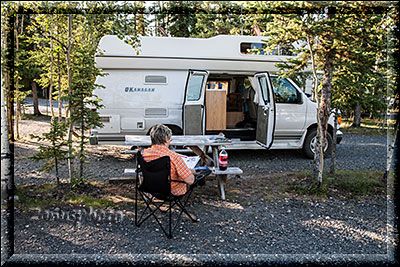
[179, 181]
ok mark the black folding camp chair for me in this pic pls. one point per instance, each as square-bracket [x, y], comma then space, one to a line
[156, 184]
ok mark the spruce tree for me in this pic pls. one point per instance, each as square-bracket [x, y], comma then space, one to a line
[333, 37]
[56, 152]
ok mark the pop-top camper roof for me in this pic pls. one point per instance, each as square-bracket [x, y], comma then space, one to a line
[186, 53]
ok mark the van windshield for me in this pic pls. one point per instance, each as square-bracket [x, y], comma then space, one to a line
[284, 91]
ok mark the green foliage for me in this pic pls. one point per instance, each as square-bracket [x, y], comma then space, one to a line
[360, 77]
[41, 56]
[203, 19]
[54, 153]
[21, 95]
[360, 39]
[78, 181]
[82, 101]
[43, 41]
[175, 17]
[344, 41]
[216, 19]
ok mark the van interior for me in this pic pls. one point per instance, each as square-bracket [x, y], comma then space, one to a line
[231, 107]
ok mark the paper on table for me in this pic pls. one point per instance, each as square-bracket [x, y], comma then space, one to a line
[191, 162]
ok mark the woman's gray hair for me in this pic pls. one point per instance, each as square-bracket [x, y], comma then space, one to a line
[159, 134]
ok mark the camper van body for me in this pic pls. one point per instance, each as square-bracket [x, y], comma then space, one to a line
[172, 81]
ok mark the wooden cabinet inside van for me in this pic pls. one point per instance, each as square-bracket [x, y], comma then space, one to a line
[215, 109]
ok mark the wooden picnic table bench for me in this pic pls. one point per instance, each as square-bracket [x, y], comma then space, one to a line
[129, 175]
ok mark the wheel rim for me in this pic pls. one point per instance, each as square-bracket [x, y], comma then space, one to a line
[313, 145]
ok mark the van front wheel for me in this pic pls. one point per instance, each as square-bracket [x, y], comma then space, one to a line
[311, 141]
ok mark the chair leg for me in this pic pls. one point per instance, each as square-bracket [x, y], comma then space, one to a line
[152, 211]
[183, 210]
[183, 207]
[171, 203]
[170, 219]
[136, 199]
[186, 212]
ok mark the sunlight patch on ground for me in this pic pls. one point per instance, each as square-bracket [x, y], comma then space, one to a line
[372, 144]
[348, 230]
[220, 204]
[119, 199]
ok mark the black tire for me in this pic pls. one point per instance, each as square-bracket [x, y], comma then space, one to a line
[307, 146]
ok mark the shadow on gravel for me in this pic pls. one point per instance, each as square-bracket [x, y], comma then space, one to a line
[271, 227]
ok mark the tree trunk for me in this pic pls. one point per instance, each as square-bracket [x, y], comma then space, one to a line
[17, 97]
[9, 102]
[81, 158]
[18, 111]
[70, 122]
[317, 155]
[7, 142]
[357, 116]
[51, 77]
[326, 94]
[36, 110]
[316, 98]
[325, 107]
[7, 179]
[320, 147]
[334, 137]
[59, 89]
[56, 166]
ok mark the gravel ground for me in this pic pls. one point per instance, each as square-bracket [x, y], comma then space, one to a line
[299, 230]
[268, 227]
[353, 153]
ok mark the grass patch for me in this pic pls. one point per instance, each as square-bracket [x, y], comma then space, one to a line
[38, 196]
[359, 183]
[92, 194]
[348, 184]
[28, 202]
[368, 127]
[89, 201]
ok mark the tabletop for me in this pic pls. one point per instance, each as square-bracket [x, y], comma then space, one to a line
[180, 140]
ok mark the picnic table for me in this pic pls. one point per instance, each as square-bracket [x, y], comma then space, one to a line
[199, 145]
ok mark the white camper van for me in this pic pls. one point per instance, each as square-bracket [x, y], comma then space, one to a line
[202, 86]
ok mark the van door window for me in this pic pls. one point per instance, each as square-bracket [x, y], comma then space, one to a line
[193, 108]
[194, 90]
[264, 88]
[284, 91]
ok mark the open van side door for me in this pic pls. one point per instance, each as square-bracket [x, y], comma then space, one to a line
[265, 111]
[193, 107]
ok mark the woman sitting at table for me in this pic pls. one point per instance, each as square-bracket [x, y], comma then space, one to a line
[160, 136]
